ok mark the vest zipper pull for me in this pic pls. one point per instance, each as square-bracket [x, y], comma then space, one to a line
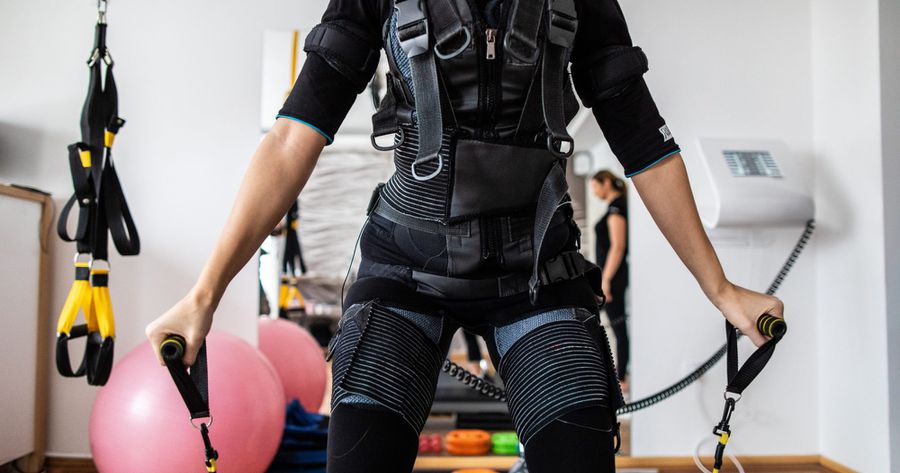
[490, 37]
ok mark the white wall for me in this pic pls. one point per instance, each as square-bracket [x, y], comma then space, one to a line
[719, 68]
[851, 272]
[189, 80]
[890, 122]
[740, 70]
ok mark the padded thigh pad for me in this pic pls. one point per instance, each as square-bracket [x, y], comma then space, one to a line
[389, 358]
[553, 369]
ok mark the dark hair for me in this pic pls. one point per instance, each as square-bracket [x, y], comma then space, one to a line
[604, 176]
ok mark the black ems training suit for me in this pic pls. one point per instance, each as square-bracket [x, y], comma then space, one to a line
[474, 228]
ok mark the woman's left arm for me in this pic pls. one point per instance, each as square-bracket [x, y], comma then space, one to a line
[666, 192]
[618, 234]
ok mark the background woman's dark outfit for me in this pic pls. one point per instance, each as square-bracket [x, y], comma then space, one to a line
[615, 308]
[451, 240]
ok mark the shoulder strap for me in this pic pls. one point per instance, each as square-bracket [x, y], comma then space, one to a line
[561, 27]
[521, 41]
[413, 32]
[451, 37]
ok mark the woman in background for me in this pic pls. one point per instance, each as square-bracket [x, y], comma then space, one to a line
[612, 256]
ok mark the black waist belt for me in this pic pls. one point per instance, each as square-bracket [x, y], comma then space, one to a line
[563, 267]
[381, 207]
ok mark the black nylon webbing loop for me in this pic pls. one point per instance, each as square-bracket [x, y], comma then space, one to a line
[191, 383]
[193, 386]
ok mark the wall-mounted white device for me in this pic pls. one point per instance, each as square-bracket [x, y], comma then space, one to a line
[752, 183]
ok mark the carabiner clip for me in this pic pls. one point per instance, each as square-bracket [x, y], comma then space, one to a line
[102, 6]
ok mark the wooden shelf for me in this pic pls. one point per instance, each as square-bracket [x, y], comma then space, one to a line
[449, 462]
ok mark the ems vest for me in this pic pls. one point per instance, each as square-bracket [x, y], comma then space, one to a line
[478, 112]
[478, 115]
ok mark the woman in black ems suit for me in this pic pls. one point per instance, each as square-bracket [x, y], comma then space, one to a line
[474, 229]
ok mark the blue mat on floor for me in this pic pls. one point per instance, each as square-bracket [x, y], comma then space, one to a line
[302, 448]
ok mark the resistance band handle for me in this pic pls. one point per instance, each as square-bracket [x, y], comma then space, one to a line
[172, 349]
[771, 326]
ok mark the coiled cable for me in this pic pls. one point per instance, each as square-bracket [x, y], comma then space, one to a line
[493, 391]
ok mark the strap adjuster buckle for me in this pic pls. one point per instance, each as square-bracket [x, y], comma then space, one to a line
[560, 146]
[563, 23]
[412, 28]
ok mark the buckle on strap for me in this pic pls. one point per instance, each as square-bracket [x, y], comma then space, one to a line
[562, 267]
[563, 22]
[412, 27]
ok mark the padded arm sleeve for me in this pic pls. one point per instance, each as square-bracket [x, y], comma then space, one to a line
[607, 70]
[343, 53]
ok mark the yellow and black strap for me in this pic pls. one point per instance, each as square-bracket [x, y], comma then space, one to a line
[193, 386]
[739, 377]
[102, 211]
[89, 296]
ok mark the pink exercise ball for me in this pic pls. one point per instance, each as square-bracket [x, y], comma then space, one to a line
[140, 423]
[298, 360]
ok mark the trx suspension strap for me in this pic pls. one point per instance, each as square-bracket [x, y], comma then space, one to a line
[740, 378]
[102, 211]
[193, 387]
[292, 265]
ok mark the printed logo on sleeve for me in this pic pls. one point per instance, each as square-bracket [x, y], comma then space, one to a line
[667, 134]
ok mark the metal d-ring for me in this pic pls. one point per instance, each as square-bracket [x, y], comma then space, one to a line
[457, 52]
[431, 176]
[392, 147]
[198, 426]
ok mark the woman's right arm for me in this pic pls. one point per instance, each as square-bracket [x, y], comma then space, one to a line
[279, 170]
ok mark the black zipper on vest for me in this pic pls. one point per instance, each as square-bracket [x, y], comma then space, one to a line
[488, 70]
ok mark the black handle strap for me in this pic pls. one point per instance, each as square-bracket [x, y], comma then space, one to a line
[193, 386]
[740, 377]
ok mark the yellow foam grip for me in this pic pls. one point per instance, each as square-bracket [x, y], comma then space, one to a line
[108, 139]
[85, 156]
[106, 322]
[79, 299]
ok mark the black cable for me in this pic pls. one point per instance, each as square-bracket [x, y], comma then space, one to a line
[491, 390]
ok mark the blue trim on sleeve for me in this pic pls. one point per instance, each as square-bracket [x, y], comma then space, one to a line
[654, 163]
[328, 138]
